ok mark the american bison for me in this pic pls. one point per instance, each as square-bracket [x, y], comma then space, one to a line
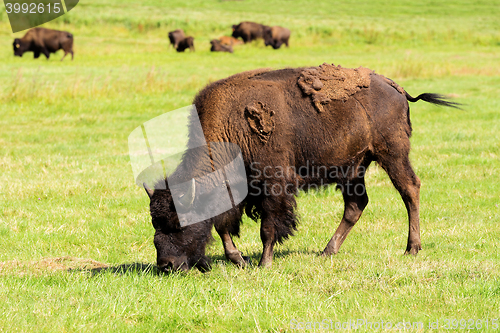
[231, 41]
[217, 46]
[276, 36]
[175, 37]
[186, 43]
[44, 41]
[298, 129]
[248, 31]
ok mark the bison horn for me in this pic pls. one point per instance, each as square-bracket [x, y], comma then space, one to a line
[148, 190]
[187, 199]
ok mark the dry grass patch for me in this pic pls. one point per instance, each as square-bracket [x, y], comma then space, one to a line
[48, 265]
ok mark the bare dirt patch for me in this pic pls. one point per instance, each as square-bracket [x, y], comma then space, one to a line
[48, 265]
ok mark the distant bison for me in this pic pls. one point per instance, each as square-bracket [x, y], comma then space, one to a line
[176, 37]
[227, 40]
[217, 46]
[187, 42]
[45, 41]
[276, 36]
[248, 31]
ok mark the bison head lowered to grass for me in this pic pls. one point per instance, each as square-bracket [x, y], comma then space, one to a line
[297, 128]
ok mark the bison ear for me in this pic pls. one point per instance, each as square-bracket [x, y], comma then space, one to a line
[148, 190]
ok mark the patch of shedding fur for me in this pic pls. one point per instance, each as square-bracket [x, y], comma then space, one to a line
[329, 82]
[260, 119]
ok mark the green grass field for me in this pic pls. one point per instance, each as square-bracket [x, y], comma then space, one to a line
[68, 202]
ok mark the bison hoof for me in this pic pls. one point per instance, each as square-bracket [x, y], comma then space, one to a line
[327, 253]
[237, 259]
[266, 263]
[413, 250]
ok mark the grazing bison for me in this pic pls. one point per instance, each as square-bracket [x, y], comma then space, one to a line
[44, 41]
[187, 42]
[217, 46]
[175, 37]
[276, 36]
[297, 128]
[248, 31]
[227, 40]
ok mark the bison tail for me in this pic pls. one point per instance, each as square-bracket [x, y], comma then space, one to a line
[437, 99]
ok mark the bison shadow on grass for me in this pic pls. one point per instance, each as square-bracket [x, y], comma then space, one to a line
[142, 268]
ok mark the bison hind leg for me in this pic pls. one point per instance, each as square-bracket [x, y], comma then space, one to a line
[407, 183]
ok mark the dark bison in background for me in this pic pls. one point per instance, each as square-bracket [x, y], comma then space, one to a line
[276, 36]
[217, 46]
[176, 37]
[186, 43]
[248, 31]
[297, 128]
[44, 41]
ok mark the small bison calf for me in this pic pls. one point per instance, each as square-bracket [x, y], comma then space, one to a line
[227, 40]
[217, 46]
[44, 41]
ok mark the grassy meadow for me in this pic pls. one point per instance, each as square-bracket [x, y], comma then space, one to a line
[77, 251]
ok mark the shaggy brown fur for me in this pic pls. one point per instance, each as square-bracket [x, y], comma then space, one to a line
[44, 41]
[260, 120]
[276, 36]
[217, 46]
[230, 41]
[187, 42]
[248, 31]
[329, 82]
[268, 115]
[175, 37]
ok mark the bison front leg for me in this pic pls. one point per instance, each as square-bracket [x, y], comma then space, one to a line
[355, 201]
[45, 52]
[230, 250]
[278, 220]
[268, 237]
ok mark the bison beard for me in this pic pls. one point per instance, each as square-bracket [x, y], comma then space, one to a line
[284, 119]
